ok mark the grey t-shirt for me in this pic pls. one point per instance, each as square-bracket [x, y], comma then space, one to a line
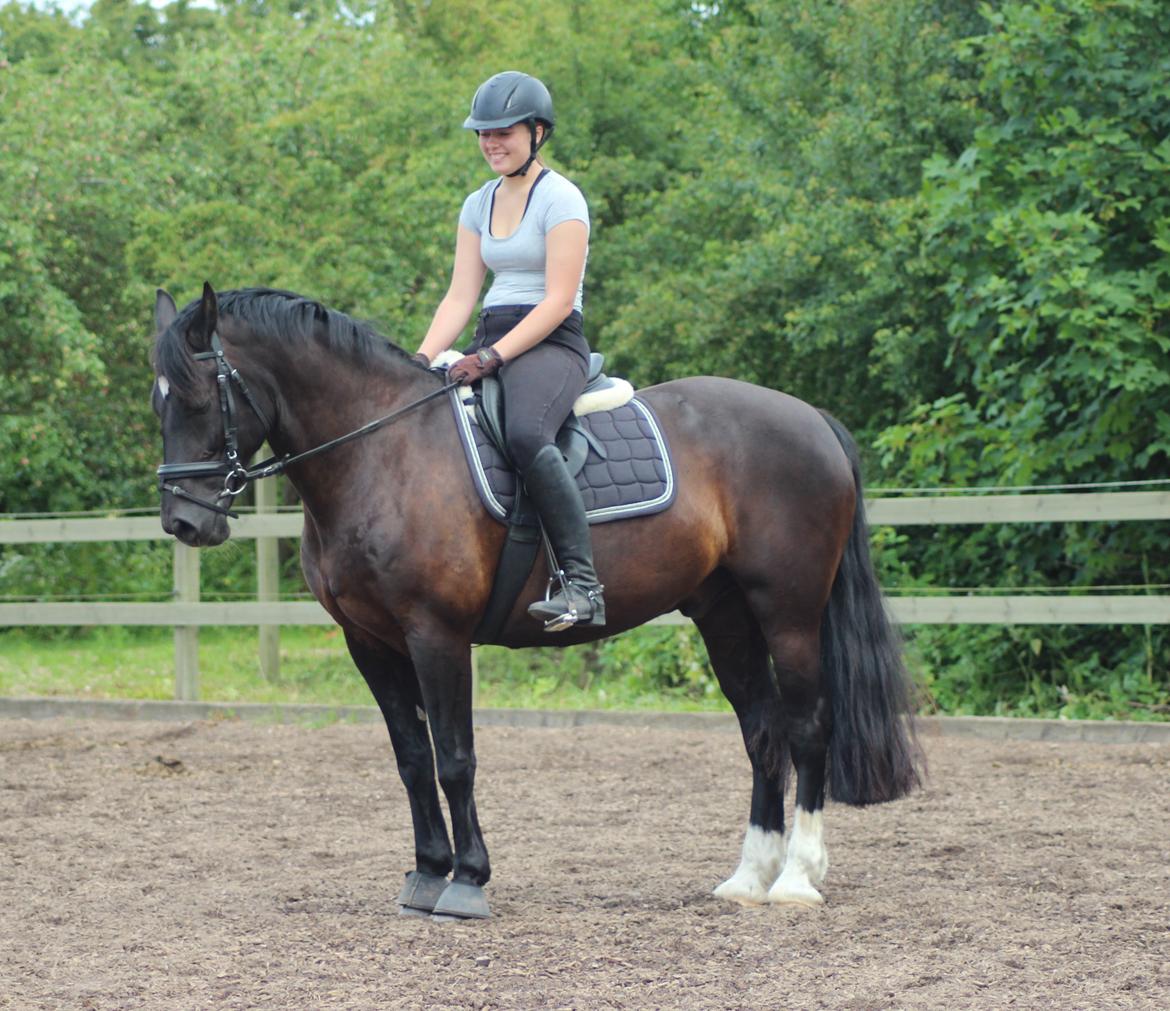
[517, 263]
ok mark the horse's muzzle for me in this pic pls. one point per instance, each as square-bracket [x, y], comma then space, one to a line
[189, 520]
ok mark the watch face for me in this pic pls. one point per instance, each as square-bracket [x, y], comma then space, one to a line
[484, 355]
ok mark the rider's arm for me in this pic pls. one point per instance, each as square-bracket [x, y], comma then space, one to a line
[462, 296]
[566, 246]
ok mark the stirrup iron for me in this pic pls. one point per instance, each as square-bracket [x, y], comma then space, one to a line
[558, 578]
[561, 607]
[571, 616]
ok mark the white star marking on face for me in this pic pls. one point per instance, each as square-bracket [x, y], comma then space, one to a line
[164, 387]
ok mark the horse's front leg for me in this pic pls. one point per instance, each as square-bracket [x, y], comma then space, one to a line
[395, 687]
[443, 663]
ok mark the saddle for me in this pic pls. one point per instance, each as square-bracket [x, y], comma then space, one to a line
[612, 444]
[574, 440]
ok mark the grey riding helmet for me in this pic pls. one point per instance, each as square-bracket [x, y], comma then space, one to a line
[509, 98]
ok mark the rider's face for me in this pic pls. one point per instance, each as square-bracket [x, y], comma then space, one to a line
[507, 148]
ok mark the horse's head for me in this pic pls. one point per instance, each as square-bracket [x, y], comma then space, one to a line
[211, 421]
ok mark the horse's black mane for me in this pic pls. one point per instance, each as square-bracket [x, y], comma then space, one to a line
[292, 317]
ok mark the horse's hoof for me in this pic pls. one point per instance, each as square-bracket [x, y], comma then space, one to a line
[794, 890]
[411, 911]
[420, 892]
[741, 889]
[462, 900]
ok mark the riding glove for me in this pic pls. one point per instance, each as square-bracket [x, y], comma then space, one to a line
[471, 368]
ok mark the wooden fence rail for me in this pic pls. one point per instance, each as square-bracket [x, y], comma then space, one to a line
[186, 613]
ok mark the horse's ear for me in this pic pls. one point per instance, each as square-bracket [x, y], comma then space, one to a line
[206, 319]
[164, 310]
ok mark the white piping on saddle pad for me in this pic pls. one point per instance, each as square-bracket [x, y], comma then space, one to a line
[614, 394]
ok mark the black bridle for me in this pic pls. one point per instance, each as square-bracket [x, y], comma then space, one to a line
[237, 477]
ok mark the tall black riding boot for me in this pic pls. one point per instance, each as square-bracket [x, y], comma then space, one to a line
[576, 599]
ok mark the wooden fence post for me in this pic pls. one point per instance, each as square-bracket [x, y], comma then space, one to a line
[186, 636]
[268, 581]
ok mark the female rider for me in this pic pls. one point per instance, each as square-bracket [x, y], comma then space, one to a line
[530, 228]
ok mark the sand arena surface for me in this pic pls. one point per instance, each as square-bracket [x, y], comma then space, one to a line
[225, 864]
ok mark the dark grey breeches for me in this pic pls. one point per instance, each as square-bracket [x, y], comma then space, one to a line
[541, 385]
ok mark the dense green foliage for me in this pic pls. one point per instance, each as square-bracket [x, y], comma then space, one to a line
[947, 223]
[1049, 233]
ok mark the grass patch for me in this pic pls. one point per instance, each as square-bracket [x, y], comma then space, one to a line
[138, 663]
[653, 668]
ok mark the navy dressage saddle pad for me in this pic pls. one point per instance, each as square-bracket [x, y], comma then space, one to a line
[626, 473]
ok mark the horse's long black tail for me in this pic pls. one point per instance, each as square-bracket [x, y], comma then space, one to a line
[873, 753]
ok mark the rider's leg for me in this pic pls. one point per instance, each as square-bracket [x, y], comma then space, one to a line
[577, 599]
[539, 390]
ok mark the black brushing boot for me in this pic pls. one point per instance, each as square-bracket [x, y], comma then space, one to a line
[577, 600]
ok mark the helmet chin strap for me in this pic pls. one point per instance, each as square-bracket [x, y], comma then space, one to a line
[523, 169]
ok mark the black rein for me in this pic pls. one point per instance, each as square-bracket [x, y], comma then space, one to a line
[237, 477]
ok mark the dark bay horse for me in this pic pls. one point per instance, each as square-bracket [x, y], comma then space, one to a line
[765, 548]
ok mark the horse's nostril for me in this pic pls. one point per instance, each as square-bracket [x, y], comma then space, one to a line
[184, 531]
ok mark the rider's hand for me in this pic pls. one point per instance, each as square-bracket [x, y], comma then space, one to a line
[422, 359]
[471, 368]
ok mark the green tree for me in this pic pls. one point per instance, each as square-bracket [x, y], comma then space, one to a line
[787, 255]
[1050, 233]
[1053, 231]
[73, 159]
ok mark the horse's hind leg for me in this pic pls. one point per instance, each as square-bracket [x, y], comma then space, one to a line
[739, 657]
[395, 687]
[796, 663]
